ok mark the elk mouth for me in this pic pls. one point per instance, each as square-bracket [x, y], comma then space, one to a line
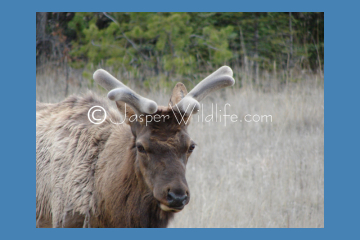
[171, 209]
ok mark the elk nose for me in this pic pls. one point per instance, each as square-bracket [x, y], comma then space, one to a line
[176, 200]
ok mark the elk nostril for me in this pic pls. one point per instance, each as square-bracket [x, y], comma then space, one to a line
[185, 199]
[176, 200]
[170, 197]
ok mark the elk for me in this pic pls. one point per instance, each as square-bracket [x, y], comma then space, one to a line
[116, 175]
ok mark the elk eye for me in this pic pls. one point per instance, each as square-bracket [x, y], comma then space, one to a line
[141, 149]
[192, 147]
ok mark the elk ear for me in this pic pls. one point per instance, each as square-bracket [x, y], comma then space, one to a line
[135, 126]
[179, 92]
[125, 110]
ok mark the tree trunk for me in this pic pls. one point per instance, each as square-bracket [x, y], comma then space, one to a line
[290, 64]
[40, 26]
[245, 60]
[256, 42]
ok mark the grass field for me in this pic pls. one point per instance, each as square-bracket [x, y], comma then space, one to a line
[244, 174]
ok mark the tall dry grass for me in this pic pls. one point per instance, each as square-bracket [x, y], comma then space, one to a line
[244, 174]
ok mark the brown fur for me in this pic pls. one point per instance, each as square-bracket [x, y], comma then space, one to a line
[91, 175]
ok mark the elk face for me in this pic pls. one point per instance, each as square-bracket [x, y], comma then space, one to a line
[163, 146]
[162, 152]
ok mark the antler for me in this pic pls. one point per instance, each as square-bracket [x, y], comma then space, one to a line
[219, 79]
[119, 92]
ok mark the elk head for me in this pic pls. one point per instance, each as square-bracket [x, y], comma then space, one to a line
[161, 143]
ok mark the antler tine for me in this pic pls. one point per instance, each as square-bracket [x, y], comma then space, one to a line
[219, 79]
[119, 92]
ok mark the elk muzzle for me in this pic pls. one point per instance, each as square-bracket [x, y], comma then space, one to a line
[176, 199]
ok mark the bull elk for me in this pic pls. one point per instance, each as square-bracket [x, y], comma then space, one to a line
[116, 175]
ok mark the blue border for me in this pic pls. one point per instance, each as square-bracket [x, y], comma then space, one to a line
[18, 123]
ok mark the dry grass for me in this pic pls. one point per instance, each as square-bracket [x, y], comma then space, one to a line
[264, 174]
